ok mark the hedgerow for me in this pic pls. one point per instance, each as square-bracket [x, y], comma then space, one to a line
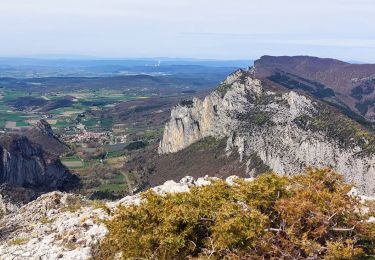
[304, 216]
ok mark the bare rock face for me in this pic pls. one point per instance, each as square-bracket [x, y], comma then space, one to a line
[54, 226]
[193, 121]
[286, 130]
[25, 163]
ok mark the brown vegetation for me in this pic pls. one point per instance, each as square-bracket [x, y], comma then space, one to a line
[273, 216]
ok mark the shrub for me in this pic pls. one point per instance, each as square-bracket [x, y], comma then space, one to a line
[271, 217]
[338, 127]
[187, 103]
[45, 220]
[136, 145]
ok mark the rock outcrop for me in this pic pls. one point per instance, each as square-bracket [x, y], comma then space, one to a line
[26, 163]
[54, 226]
[65, 226]
[288, 131]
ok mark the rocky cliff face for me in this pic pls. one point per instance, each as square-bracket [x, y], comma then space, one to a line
[26, 163]
[286, 130]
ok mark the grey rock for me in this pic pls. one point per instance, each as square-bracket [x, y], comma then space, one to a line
[258, 120]
[25, 163]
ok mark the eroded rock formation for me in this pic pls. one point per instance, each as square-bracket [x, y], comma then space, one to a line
[286, 130]
[25, 162]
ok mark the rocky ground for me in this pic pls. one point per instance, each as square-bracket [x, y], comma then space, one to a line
[56, 225]
[65, 226]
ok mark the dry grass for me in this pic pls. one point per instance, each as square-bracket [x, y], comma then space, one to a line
[18, 241]
[46, 220]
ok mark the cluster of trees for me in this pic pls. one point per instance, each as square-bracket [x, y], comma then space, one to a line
[305, 216]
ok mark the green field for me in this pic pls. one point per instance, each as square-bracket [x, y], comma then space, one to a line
[65, 116]
[116, 184]
[73, 164]
[8, 113]
[17, 117]
[97, 173]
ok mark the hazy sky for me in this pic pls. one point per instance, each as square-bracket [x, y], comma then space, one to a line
[221, 29]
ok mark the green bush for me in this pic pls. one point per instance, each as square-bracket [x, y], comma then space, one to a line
[271, 217]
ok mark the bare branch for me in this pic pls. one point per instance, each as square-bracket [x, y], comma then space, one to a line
[274, 229]
[334, 214]
[343, 229]
[206, 219]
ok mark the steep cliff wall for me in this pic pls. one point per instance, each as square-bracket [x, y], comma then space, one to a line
[26, 163]
[286, 130]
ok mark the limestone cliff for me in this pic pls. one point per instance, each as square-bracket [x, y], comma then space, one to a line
[286, 130]
[26, 163]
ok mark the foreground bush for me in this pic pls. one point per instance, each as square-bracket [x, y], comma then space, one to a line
[271, 217]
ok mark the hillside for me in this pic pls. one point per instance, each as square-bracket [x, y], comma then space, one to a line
[313, 216]
[265, 133]
[205, 157]
[30, 159]
[349, 87]
[279, 128]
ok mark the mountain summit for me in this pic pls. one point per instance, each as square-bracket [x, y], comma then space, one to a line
[276, 127]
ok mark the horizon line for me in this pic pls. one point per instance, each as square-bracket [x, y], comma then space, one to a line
[83, 57]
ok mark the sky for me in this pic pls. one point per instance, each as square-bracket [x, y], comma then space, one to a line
[203, 29]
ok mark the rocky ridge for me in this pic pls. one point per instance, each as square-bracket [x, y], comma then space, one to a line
[65, 226]
[25, 162]
[287, 130]
[349, 87]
